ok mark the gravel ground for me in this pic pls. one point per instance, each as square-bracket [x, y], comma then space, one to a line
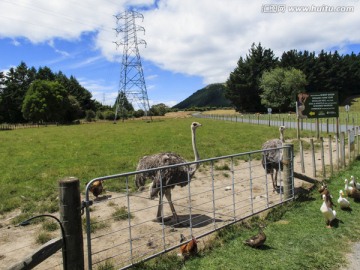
[353, 259]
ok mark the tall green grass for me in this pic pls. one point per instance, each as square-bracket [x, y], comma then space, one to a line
[33, 160]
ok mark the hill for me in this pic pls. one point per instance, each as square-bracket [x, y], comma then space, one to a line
[212, 95]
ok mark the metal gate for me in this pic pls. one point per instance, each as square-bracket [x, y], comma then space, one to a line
[121, 223]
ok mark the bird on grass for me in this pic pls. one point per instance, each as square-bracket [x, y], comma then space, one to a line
[323, 190]
[352, 191]
[347, 187]
[189, 249]
[353, 182]
[343, 202]
[328, 213]
[257, 240]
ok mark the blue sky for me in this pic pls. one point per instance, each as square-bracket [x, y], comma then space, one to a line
[189, 43]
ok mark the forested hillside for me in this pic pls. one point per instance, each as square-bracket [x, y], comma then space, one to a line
[209, 96]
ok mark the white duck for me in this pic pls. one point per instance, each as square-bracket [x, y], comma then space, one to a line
[327, 212]
[347, 188]
[353, 183]
[343, 202]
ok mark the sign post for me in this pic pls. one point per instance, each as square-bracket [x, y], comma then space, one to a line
[347, 109]
[269, 112]
[317, 105]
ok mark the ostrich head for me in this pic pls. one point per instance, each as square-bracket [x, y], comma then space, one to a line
[195, 125]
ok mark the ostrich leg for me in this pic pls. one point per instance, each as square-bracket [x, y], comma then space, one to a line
[160, 209]
[168, 197]
[160, 213]
[274, 180]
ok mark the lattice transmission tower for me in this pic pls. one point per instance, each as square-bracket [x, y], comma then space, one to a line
[132, 85]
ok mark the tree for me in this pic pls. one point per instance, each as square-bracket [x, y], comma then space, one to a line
[123, 106]
[45, 101]
[159, 109]
[243, 83]
[280, 87]
[15, 85]
[45, 74]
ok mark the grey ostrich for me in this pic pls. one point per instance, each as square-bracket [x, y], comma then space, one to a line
[272, 159]
[171, 177]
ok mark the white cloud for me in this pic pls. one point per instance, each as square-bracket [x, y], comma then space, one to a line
[100, 90]
[86, 62]
[203, 38]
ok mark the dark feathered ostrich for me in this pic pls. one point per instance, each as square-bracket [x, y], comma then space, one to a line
[171, 177]
[272, 159]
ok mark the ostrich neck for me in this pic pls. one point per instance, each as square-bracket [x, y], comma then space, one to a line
[282, 136]
[193, 138]
[194, 167]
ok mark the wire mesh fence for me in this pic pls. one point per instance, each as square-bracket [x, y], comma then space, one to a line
[124, 228]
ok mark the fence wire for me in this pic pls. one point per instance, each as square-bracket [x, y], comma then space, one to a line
[123, 229]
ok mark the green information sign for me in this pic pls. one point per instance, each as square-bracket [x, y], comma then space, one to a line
[317, 105]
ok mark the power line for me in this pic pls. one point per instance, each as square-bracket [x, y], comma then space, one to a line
[132, 81]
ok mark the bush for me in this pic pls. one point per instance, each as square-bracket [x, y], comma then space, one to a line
[89, 115]
[109, 115]
[100, 115]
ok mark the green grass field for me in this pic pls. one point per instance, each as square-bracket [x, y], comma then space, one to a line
[34, 159]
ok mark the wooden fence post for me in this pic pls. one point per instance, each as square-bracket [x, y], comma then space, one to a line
[288, 168]
[322, 157]
[357, 140]
[337, 152]
[313, 156]
[70, 216]
[342, 150]
[302, 157]
[330, 156]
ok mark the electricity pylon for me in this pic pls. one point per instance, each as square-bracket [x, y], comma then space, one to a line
[132, 86]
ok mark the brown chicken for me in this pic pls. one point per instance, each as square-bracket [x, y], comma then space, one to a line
[188, 249]
[97, 188]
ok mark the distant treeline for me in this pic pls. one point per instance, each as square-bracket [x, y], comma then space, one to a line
[324, 72]
[29, 95]
[59, 98]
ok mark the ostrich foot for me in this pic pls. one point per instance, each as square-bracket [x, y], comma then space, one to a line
[160, 219]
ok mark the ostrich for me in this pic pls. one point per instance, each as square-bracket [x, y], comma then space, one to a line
[171, 177]
[272, 159]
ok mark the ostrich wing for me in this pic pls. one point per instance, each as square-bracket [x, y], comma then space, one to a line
[272, 157]
[147, 162]
[170, 177]
[167, 175]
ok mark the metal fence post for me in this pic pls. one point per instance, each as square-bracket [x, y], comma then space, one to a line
[70, 216]
[288, 169]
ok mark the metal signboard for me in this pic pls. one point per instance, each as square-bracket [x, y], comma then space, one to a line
[317, 105]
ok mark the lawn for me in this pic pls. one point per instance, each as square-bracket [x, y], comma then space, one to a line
[34, 159]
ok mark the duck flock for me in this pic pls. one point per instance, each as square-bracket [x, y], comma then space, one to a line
[351, 191]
